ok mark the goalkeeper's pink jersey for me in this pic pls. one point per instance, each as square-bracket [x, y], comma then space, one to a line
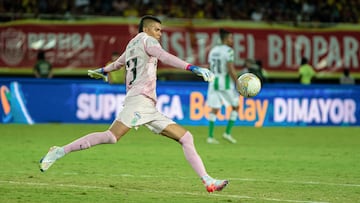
[140, 59]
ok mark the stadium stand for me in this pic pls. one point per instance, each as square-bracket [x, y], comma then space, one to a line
[295, 11]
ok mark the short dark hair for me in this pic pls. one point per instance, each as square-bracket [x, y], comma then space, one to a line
[144, 21]
[304, 60]
[223, 34]
[41, 55]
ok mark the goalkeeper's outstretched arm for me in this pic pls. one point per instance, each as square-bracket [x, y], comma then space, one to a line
[176, 62]
[116, 65]
[101, 73]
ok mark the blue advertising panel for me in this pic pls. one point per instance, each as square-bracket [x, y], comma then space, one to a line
[91, 101]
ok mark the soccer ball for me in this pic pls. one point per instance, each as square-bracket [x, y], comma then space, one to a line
[249, 85]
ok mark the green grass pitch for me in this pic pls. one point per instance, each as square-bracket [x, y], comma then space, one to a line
[270, 164]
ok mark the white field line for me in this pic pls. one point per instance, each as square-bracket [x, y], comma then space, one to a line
[237, 179]
[297, 182]
[229, 178]
[153, 191]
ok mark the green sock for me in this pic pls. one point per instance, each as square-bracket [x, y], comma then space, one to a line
[211, 129]
[229, 127]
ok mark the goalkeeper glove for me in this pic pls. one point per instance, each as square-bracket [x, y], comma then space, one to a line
[203, 72]
[98, 73]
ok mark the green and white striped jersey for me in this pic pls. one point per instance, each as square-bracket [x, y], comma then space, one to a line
[218, 58]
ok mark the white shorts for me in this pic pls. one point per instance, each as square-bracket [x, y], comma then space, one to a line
[218, 98]
[140, 110]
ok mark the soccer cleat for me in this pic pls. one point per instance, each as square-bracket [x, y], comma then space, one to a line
[212, 185]
[49, 159]
[212, 140]
[229, 138]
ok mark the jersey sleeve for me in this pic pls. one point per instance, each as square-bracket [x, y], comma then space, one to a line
[116, 65]
[230, 55]
[153, 48]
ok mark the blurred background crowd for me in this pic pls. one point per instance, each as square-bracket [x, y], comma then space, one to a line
[324, 11]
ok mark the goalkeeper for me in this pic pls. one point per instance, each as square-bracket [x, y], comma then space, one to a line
[140, 60]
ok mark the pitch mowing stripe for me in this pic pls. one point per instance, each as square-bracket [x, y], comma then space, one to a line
[154, 191]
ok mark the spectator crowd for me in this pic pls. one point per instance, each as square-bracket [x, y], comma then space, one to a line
[324, 11]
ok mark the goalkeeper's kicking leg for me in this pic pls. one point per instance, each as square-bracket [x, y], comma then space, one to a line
[185, 138]
[117, 130]
[111, 136]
